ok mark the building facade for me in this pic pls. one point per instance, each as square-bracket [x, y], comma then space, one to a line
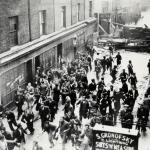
[37, 33]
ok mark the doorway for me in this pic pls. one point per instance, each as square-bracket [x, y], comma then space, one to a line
[59, 50]
[59, 53]
[29, 71]
[37, 62]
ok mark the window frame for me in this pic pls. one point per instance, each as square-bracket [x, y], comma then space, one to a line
[90, 8]
[63, 17]
[13, 34]
[78, 11]
[42, 22]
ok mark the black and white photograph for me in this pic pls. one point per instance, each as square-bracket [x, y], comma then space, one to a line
[74, 74]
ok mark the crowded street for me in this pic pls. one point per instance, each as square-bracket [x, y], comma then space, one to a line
[74, 75]
[143, 79]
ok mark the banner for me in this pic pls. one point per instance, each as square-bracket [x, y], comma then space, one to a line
[106, 140]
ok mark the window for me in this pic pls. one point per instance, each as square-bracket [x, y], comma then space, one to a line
[13, 31]
[63, 16]
[78, 12]
[42, 20]
[90, 8]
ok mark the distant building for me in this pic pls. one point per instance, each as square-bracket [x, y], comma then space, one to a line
[37, 33]
[102, 6]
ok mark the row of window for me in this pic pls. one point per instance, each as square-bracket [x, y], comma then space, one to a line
[13, 22]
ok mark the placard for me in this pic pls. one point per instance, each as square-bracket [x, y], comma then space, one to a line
[106, 140]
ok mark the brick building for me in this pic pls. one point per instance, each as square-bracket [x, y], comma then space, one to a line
[38, 32]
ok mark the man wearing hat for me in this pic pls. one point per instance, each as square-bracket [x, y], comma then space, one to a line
[101, 84]
[11, 120]
[56, 95]
[84, 108]
[92, 86]
[19, 135]
[128, 118]
[44, 114]
[123, 76]
[28, 118]
[122, 115]
[52, 107]
[87, 137]
[68, 107]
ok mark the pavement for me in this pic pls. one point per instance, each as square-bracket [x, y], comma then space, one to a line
[139, 61]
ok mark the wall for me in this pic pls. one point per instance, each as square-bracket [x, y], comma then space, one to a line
[58, 6]
[9, 82]
[15, 71]
[9, 8]
[35, 7]
[87, 8]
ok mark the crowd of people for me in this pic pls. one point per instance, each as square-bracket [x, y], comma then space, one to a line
[95, 101]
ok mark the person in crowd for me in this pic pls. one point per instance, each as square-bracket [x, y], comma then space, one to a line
[51, 131]
[109, 63]
[89, 59]
[122, 116]
[19, 135]
[19, 101]
[44, 114]
[73, 97]
[9, 138]
[86, 136]
[68, 107]
[28, 118]
[63, 130]
[124, 88]
[114, 73]
[52, 107]
[133, 93]
[43, 88]
[130, 68]
[64, 92]
[118, 58]
[3, 142]
[104, 63]
[133, 80]
[92, 86]
[142, 115]
[84, 108]
[75, 133]
[123, 76]
[101, 84]
[50, 76]
[29, 99]
[128, 119]
[97, 68]
[111, 50]
[30, 88]
[11, 120]
[56, 95]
